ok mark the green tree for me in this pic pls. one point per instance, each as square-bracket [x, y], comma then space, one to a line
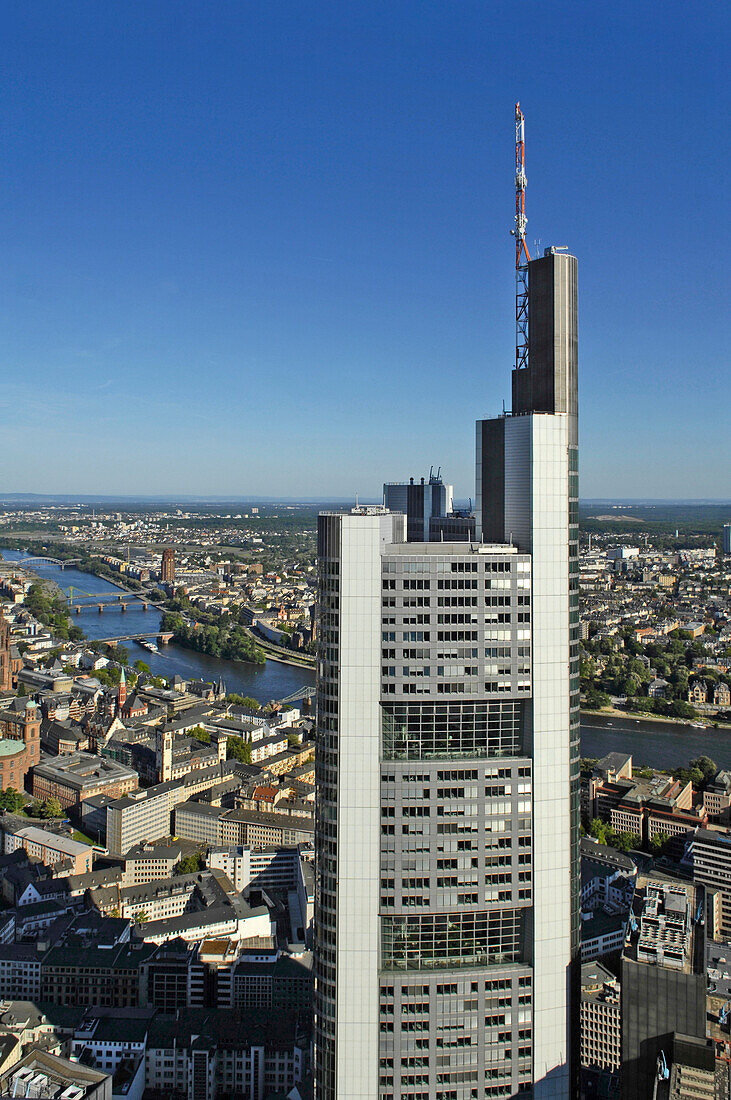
[596, 699]
[598, 830]
[243, 701]
[659, 842]
[624, 842]
[52, 808]
[238, 749]
[706, 766]
[141, 666]
[11, 800]
[189, 865]
[200, 735]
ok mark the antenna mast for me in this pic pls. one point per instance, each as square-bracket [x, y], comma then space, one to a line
[521, 250]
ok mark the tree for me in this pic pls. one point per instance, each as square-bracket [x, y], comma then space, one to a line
[189, 865]
[598, 830]
[238, 749]
[141, 917]
[243, 701]
[200, 735]
[11, 800]
[51, 808]
[142, 666]
[659, 841]
[706, 766]
[596, 699]
[624, 842]
[22, 691]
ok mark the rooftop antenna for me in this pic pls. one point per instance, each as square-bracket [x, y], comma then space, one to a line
[522, 256]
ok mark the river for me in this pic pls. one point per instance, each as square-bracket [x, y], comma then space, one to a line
[263, 682]
[657, 744]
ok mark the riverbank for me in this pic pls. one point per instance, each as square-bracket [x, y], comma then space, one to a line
[271, 681]
[638, 716]
[653, 744]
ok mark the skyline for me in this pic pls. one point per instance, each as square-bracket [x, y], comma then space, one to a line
[275, 235]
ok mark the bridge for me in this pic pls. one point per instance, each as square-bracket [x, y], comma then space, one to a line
[120, 602]
[22, 562]
[303, 693]
[162, 636]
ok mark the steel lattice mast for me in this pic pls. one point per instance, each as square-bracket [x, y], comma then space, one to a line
[521, 251]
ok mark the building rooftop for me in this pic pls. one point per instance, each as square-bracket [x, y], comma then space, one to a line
[10, 747]
[80, 770]
[220, 1027]
[45, 1076]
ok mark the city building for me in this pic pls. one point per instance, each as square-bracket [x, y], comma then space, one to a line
[717, 796]
[727, 538]
[205, 824]
[447, 829]
[49, 847]
[76, 776]
[607, 891]
[711, 859]
[420, 502]
[47, 1076]
[601, 1021]
[204, 1053]
[167, 567]
[663, 981]
[6, 662]
[20, 739]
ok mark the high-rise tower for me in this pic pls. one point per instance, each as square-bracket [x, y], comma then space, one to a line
[167, 567]
[446, 917]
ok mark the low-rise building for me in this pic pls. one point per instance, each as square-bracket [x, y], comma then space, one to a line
[79, 775]
[49, 1077]
[50, 848]
[710, 853]
[212, 825]
[601, 1019]
[225, 1052]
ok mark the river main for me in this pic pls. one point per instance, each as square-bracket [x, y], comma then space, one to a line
[263, 682]
[657, 744]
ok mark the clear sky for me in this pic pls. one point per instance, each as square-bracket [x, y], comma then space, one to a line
[263, 247]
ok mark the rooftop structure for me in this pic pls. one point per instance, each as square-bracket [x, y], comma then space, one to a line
[79, 775]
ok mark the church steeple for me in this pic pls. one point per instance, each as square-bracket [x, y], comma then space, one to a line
[121, 693]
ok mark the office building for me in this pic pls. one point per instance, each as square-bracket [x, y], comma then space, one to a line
[76, 776]
[420, 502]
[601, 1022]
[6, 659]
[447, 826]
[49, 847]
[167, 567]
[711, 855]
[663, 983]
[726, 538]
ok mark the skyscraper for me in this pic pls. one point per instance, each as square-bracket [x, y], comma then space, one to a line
[167, 569]
[420, 502]
[447, 814]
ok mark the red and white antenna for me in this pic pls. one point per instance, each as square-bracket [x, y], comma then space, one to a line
[522, 256]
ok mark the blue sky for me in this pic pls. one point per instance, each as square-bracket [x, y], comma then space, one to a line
[264, 248]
